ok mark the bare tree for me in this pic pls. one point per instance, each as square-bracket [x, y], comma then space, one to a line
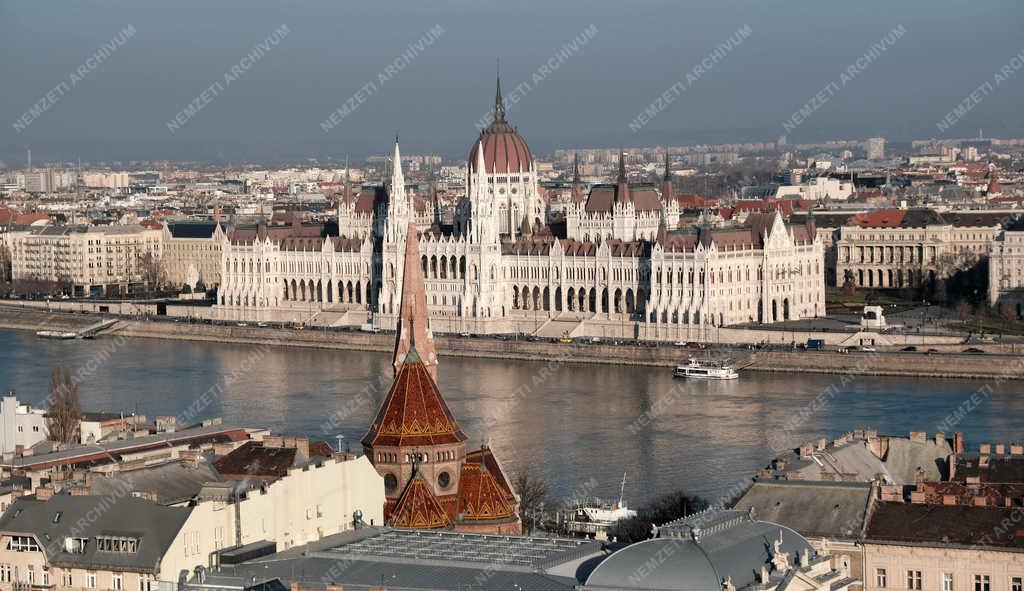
[963, 310]
[65, 411]
[1007, 313]
[153, 273]
[533, 492]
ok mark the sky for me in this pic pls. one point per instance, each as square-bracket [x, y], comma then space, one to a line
[617, 58]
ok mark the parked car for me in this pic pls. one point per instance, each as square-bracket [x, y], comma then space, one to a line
[910, 348]
[974, 350]
[869, 349]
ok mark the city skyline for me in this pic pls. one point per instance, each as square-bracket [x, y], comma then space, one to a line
[114, 82]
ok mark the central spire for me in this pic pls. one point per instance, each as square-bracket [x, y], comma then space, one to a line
[499, 102]
[413, 337]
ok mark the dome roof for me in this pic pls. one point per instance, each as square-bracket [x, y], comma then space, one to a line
[730, 545]
[505, 151]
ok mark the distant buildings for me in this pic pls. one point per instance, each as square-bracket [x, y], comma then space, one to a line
[876, 148]
[1006, 269]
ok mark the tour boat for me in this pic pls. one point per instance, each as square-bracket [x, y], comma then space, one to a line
[56, 334]
[597, 517]
[706, 370]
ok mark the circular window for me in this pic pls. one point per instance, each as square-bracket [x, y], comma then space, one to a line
[444, 480]
[501, 191]
[514, 190]
[390, 482]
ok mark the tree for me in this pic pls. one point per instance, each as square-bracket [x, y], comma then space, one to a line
[65, 410]
[657, 511]
[963, 310]
[152, 269]
[533, 493]
[1007, 314]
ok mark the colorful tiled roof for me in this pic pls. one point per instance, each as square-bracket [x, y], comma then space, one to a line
[481, 498]
[418, 508]
[413, 412]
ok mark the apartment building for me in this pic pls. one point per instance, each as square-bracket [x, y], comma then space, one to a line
[908, 248]
[1006, 269]
[191, 254]
[86, 261]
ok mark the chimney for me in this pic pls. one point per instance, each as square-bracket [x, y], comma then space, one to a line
[273, 441]
[44, 493]
[919, 478]
[821, 444]
[918, 436]
[985, 448]
[958, 442]
[806, 450]
[302, 444]
[1016, 449]
[1000, 449]
[940, 438]
[949, 499]
[917, 497]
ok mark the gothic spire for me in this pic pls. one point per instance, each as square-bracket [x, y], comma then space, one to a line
[668, 171]
[575, 168]
[622, 166]
[413, 336]
[499, 102]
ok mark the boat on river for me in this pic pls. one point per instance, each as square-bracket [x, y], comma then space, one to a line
[706, 370]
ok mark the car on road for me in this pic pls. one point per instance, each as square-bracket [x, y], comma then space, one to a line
[868, 349]
[242, 324]
[680, 343]
[910, 348]
[974, 350]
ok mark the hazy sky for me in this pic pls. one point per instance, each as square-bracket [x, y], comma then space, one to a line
[273, 110]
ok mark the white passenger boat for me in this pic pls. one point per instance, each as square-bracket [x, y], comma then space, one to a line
[706, 370]
[597, 517]
[56, 334]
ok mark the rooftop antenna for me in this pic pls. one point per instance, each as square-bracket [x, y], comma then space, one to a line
[29, 159]
[622, 490]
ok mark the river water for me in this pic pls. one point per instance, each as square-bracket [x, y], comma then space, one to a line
[571, 422]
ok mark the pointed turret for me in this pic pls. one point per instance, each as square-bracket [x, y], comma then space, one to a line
[622, 185]
[666, 182]
[413, 331]
[577, 186]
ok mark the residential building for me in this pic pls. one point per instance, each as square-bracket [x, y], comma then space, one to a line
[192, 254]
[21, 425]
[946, 547]
[87, 261]
[875, 148]
[1006, 269]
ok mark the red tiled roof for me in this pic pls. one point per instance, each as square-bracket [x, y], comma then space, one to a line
[413, 412]
[418, 508]
[505, 151]
[253, 461]
[880, 218]
[481, 498]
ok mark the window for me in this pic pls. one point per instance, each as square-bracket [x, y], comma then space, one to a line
[880, 579]
[46, 576]
[22, 544]
[117, 544]
[90, 580]
[914, 580]
[143, 582]
[947, 581]
[75, 545]
[117, 582]
[982, 583]
[1016, 584]
[65, 578]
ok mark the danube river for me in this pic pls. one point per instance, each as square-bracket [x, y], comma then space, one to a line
[571, 422]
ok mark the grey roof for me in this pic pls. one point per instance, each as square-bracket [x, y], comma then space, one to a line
[172, 482]
[696, 554]
[50, 522]
[193, 229]
[421, 559]
[899, 465]
[814, 509]
[113, 448]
